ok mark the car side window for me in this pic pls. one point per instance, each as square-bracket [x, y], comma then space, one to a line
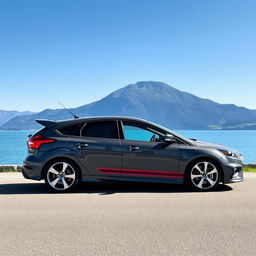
[103, 129]
[72, 129]
[132, 132]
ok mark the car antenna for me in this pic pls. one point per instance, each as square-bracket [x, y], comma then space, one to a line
[75, 117]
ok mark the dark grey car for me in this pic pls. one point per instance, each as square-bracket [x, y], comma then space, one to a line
[65, 153]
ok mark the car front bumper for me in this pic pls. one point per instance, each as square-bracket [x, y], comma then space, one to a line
[233, 173]
[237, 177]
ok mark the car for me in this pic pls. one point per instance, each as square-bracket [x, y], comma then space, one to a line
[65, 153]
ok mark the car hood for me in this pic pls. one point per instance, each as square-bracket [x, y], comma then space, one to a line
[206, 144]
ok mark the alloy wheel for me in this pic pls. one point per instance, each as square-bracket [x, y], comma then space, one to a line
[204, 175]
[61, 176]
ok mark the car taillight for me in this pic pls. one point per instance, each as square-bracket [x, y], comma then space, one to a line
[36, 141]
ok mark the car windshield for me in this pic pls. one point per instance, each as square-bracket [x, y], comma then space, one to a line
[172, 132]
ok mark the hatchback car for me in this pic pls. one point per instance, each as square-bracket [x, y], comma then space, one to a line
[65, 153]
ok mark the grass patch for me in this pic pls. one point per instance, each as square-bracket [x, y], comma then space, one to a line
[8, 170]
[249, 169]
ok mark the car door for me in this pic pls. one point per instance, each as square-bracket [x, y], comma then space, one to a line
[145, 154]
[99, 147]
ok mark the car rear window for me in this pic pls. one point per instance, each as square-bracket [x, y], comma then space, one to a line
[72, 129]
[103, 129]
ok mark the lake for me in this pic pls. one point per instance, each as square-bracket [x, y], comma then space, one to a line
[13, 147]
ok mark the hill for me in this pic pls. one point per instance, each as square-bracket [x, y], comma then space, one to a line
[157, 102]
[6, 115]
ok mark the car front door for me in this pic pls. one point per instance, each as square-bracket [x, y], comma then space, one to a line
[146, 156]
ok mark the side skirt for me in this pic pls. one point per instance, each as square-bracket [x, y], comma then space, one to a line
[120, 179]
[148, 173]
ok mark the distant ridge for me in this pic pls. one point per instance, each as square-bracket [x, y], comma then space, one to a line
[6, 115]
[157, 102]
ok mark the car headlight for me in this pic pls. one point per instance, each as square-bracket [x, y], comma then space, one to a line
[228, 153]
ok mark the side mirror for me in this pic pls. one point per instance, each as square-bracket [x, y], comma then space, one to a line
[169, 138]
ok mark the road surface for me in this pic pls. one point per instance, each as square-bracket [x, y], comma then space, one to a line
[126, 219]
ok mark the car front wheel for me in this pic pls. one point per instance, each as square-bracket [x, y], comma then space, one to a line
[61, 176]
[203, 175]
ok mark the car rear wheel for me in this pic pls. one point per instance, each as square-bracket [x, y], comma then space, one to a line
[61, 176]
[203, 175]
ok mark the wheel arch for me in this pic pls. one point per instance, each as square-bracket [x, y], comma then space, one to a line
[61, 158]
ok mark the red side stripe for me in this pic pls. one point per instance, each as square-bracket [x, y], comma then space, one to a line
[178, 175]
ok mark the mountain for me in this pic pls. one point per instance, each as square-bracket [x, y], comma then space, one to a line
[6, 115]
[157, 102]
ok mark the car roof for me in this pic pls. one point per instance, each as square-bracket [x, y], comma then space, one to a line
[54, 123]
[97, 118]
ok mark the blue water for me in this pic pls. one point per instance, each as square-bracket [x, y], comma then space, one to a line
[13, 147]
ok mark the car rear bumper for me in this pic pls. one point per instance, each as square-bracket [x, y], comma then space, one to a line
[31, 168]
[29, 173]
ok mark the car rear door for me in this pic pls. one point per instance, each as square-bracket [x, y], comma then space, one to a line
[98, 147]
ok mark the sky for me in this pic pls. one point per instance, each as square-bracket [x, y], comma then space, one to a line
[79, 51]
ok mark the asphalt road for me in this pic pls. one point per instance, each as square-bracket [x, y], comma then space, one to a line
[126, 219]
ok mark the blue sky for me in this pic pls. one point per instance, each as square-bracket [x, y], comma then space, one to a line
[80, 51]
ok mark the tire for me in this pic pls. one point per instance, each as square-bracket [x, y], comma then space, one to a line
[61, 175]
[203, 175]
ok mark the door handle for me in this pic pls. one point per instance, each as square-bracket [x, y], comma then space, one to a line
[133, 148]
[82, 145]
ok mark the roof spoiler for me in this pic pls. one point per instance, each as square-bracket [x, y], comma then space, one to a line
[47, 123]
